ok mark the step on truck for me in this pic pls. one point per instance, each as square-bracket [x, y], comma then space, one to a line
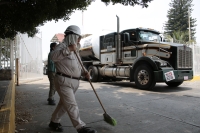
[139, 55]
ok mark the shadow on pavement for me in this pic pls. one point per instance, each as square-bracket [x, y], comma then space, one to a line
[159, 87]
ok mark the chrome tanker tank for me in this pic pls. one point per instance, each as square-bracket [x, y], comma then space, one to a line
[90, 48]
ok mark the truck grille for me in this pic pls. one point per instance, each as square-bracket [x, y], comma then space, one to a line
[184, 57]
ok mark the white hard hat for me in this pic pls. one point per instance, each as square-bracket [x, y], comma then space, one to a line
[74, 29]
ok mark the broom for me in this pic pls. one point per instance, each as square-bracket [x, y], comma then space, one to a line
[107, 118]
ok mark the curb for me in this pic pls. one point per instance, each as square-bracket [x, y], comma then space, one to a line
[8, 110]
[195, 78]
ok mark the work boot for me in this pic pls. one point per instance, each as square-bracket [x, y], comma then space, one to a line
[87, 130]
[51, 101]
[56, 126]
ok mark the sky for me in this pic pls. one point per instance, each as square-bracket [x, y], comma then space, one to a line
[101, 19]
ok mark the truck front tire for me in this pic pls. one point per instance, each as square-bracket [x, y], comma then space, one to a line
[174, 84]
[144, 77]
[94, 73]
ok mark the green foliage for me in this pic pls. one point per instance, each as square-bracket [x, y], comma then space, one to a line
[142, 3]
[178, 20]
[180, 36]
[5, 49]
[25, 15]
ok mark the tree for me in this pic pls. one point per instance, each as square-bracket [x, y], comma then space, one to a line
[179, 36]
[25, 15]
[178, 19]
[4, 50]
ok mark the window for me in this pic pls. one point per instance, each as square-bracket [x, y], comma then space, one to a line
[133, 36]
[149, 36]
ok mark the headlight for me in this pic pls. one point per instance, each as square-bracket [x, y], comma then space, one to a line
[161, 63]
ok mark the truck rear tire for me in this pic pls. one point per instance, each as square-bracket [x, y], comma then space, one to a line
[174, 84]
[144, 77]
[99, 75]
[94, 75]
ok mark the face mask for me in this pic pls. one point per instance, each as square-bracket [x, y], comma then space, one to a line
[71, 39]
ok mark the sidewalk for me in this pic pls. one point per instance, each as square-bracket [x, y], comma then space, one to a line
[33, 112]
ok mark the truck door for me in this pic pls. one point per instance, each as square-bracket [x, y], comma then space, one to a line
[129, 50]
[107, 49]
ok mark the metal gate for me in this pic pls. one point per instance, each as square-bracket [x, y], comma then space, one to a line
[24, 51]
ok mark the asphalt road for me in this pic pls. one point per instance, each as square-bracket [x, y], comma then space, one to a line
[162, 110]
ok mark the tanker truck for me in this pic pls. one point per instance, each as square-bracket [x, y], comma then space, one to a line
[138, 55]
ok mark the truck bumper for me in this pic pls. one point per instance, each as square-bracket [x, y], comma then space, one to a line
[173, 75]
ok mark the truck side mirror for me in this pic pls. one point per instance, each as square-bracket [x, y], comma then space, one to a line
[126, 37]
[161, 39]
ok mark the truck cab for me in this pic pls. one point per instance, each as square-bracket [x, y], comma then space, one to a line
[138, 55]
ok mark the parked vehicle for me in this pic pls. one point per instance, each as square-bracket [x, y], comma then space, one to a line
[139, 55]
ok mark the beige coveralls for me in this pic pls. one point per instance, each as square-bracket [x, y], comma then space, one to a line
[66, 63]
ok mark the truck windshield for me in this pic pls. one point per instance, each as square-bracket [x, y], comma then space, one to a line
[149, 36]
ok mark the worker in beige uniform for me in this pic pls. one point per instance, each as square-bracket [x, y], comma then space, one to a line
[67, 79]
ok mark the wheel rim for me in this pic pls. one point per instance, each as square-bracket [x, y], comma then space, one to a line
[143, 77]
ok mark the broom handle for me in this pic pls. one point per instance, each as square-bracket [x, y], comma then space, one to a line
[90, 82]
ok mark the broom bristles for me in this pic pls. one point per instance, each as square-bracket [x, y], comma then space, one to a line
[109, 119]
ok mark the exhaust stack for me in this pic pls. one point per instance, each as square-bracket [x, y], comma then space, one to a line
[118, 47]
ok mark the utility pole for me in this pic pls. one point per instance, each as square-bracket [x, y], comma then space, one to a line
[189, 25]
[83, 30]
[193, 50]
